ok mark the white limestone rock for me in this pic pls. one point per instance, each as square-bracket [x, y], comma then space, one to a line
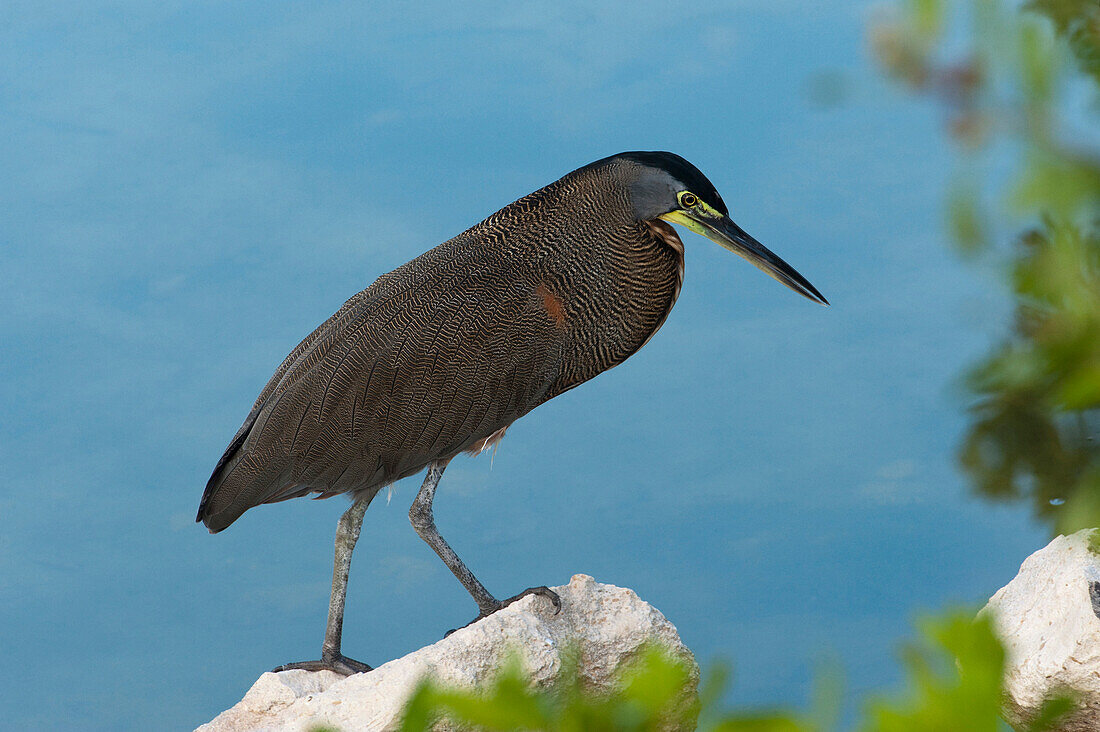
[607, 624]
[1048, 618]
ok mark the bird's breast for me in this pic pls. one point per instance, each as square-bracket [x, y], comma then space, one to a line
[610, 299]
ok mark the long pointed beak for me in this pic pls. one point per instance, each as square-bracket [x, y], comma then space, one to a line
[729, 235]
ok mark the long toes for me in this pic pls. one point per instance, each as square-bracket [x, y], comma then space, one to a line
[303, 665]
[340, 664]
[348, 666]
[452, 631]
[542, 591]
[480, 616]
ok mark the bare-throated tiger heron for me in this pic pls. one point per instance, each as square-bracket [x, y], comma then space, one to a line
[441, 355]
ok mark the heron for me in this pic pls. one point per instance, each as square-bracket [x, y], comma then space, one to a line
[441, 355]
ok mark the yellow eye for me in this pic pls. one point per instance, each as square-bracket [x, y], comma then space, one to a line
[688, 199]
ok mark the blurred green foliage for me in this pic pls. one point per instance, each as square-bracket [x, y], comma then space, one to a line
[1025, 86]
[656, 691]
[954, 677]
[953, 683]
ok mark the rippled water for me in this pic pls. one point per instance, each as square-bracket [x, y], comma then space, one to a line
[189, 191]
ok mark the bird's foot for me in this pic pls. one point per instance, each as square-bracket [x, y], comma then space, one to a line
[335, 662]
[542, 591]
[500, 604]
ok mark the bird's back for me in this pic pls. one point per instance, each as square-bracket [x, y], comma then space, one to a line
[448, 349]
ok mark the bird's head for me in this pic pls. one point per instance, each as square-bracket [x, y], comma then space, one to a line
[662, 185]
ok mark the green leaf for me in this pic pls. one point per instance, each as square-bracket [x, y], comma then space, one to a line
[1053, 711]
[1056, 186]
[955, 680]
[1078, 21]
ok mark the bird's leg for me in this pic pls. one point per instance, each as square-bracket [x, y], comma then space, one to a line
[347, 533]
[423, 521]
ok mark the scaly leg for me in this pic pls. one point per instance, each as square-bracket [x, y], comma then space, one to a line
[347, 533]
[424, 522]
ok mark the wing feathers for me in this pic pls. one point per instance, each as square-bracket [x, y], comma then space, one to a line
[431, 358]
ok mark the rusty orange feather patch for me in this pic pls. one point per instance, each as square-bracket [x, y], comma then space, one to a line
[552, 304]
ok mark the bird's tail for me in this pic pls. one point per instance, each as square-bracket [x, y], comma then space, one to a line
[237, 484]
[230, 490]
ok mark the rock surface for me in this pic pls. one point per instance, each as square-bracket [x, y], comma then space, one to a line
[607, 624]
[1048, 617]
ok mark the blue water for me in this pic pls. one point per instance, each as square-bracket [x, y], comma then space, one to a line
[188, 189]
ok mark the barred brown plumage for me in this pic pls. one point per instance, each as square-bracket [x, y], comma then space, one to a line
[440, 355]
